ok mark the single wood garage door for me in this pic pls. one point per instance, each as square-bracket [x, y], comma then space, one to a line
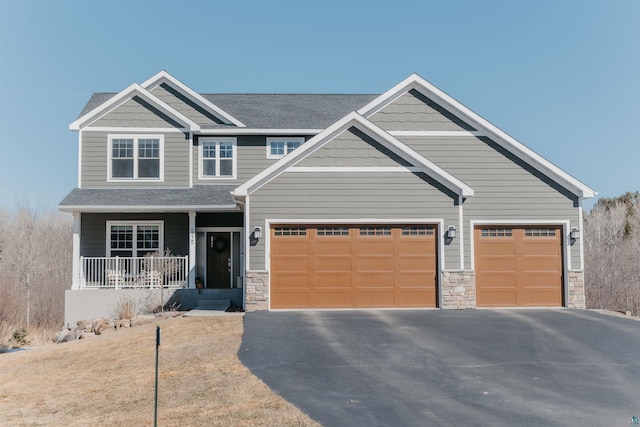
[518, 266]
[349, 266]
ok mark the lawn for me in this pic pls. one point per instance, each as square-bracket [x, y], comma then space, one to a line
[109, 380]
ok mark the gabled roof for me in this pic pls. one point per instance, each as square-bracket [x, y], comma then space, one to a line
[289, 111]
[125, 95]
[378, 134]
[506, 141]
[309, 113]
[165, 77]
[199, 197]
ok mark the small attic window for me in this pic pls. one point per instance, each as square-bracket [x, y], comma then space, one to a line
[279, 147]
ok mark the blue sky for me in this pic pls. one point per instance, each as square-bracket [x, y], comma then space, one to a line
[562, 77]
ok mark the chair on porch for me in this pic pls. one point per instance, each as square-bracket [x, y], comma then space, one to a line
[153, 279]
[115, 278]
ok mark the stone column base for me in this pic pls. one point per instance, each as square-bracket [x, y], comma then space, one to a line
[458, 289]
[257, 291]
[576, 290]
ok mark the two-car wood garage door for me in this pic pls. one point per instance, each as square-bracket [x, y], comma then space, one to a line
[353, 266]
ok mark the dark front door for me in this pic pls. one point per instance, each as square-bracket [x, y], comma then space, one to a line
[218, 260]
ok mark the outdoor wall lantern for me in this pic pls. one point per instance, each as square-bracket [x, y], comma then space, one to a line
[451, 231]
[257, 232]
[575, 233]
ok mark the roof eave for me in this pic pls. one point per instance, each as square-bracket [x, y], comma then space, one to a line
[144, 209]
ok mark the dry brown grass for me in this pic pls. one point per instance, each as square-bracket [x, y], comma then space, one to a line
[109, 380]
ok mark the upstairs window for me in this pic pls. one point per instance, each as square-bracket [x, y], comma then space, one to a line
[136, 157]
[217, 158]
[280, 147]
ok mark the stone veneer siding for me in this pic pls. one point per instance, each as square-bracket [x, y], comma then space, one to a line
[257, 291]
[458, 289]
[576, 290]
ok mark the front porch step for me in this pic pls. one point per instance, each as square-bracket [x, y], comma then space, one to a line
[210, 307]
[214, 303]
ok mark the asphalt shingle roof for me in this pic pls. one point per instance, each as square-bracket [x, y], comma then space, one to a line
[275, 111]
[205, 196]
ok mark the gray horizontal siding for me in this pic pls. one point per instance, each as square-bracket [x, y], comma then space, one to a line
[353, 148]
[350, 196]
[136, 112]
[95, 159]
[93, 234]
[413, 111]
[252, 159]
[184, 105]
[505, 187]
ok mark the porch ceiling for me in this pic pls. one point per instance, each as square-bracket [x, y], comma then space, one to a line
[200, 198]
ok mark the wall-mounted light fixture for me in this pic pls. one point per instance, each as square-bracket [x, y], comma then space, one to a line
[257, 232]
[451, 231]
[575, 233]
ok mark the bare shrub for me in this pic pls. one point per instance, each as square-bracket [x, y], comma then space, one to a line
[612, 254]
[126, 308]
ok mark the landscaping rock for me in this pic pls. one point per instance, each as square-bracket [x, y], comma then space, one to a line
[73, 335]
[123, 323]
[72, 325]
[60, 336]
[139, 320]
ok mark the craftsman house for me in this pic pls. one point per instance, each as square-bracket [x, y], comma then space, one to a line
[406, 199]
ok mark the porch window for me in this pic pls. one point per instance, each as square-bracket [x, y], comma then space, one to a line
[136, 157]
[126, 239]
[280, 147]
[218, 158]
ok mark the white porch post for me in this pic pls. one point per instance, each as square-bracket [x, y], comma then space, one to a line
[192, 250]
[76, 274]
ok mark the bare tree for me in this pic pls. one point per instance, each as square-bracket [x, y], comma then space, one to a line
[35, 266]
[612, 254]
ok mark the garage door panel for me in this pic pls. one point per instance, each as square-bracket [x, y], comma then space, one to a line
[325, 263]
[323, 247]
[497, 298]
[333, 298]
[373, 264]
[499, 280]
[332, 281]
[374, 280]
[292, 299]
[375, 298]
[415, 263]
[416, 280]
[291, 248]
[293, 280]
[426, 298]
[518, 266]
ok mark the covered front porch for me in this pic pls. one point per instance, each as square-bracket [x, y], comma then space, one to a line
[187, 244]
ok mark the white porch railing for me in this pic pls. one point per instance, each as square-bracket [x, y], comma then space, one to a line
[133, 272]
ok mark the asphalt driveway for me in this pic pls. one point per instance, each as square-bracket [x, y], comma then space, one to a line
[450, 368]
